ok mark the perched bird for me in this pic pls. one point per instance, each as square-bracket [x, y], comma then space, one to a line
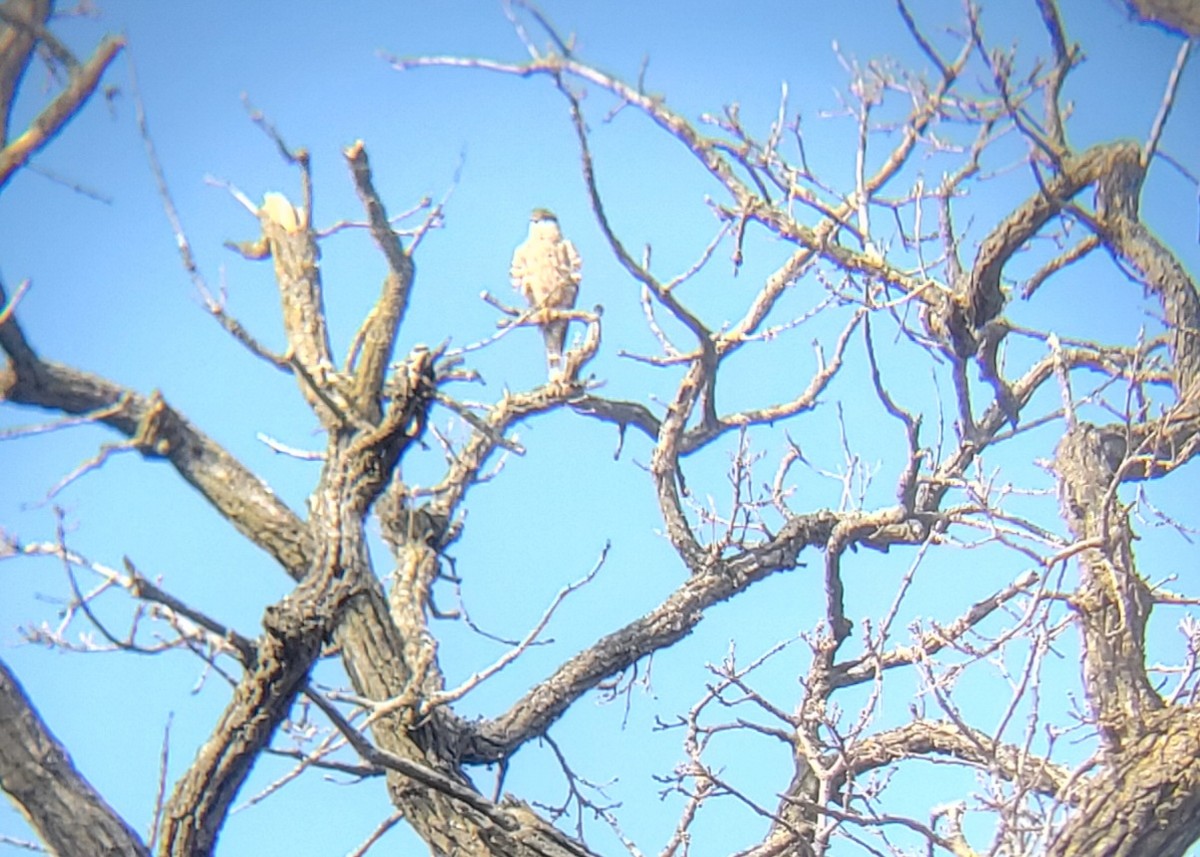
[545, 269]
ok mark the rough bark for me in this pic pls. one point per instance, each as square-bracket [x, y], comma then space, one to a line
[37, 773]
[1182, 16]
[159, 432]
[1144, 800]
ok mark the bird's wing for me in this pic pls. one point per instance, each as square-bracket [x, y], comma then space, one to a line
[518, 272]
[574, 263]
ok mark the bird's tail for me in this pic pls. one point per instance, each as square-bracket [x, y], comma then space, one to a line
[555, 335]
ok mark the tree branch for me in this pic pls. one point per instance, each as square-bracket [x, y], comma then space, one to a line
[159, 431]
[82, 83]
[37, 773]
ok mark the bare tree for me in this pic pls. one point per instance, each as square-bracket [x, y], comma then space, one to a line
[897, 281]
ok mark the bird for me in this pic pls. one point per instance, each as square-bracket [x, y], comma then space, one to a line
[546, 271]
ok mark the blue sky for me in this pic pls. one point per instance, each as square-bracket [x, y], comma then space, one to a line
[108, 295]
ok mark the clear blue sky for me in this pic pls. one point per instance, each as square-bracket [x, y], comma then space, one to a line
[110, 296]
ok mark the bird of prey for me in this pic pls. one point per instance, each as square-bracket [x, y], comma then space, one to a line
[545, 269]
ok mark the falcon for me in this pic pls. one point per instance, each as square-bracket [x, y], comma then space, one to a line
[545, 270]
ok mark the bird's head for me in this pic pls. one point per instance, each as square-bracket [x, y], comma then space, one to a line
[543, 224]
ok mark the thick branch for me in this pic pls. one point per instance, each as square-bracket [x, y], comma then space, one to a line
[1182, 16]
[57, 113]
[17, 41]
[922, 738]
[663, 626]
[297, 628]
[157, 430]
[37, 773]
[288, 236]
[1157, 267]
[377, 336]
[1113, 602]
[982, 292]
[1146, 802]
